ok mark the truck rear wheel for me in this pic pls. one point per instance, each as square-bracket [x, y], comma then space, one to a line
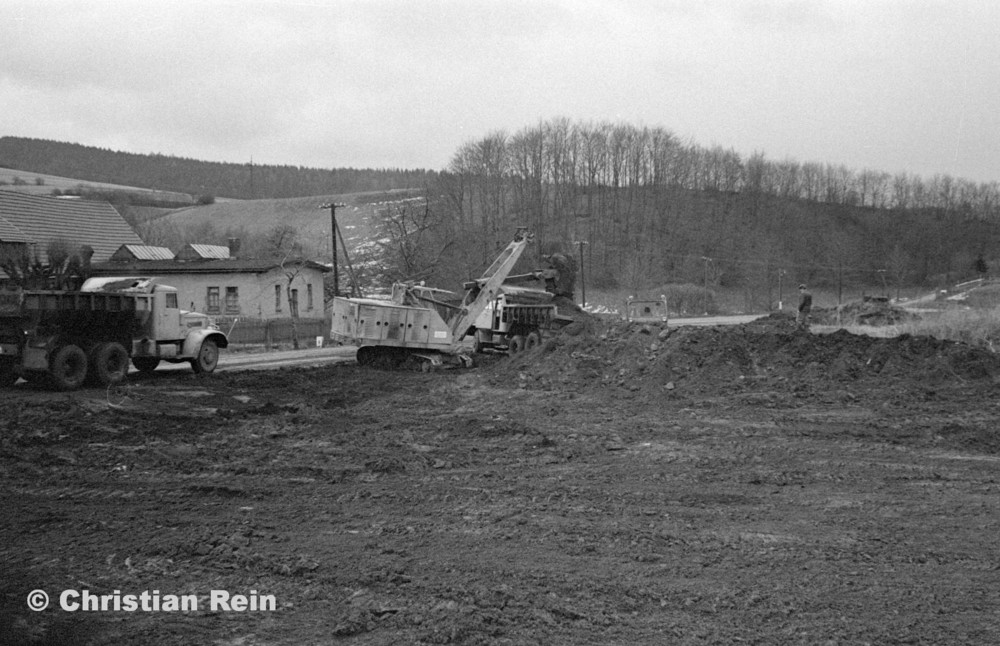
[532, 341]
[207, 357]
[68, 367]
[109, 363]
[145, 365]
[516, 345]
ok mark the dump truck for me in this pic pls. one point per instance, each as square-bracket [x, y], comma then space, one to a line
[68, 338]
[429, 325]
[516, 320]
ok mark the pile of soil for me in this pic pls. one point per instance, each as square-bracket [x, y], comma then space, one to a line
[871, 311]
[768, 353]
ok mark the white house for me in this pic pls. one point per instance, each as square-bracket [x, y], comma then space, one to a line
[230, 288]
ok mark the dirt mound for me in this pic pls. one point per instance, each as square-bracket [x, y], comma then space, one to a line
[870, 311]
[768, 353]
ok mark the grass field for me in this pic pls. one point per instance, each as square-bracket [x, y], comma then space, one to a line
[42, 184]
[246, 218]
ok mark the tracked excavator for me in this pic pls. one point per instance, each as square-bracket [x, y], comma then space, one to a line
[429, 327]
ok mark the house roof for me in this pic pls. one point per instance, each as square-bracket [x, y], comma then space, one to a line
[143, 252]
[228, 266]
[206, 251]
[40, 219]
[10, 233]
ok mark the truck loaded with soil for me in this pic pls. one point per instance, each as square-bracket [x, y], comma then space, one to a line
[620, 483]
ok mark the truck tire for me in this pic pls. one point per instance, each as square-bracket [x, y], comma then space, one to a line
[109, 363]
[207, 357]
[145, 365]
[532, 341]
[516, 345]
[68, 367]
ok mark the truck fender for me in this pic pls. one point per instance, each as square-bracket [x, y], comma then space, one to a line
[193, 341]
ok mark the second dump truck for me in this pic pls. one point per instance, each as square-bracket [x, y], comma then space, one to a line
[68, 338]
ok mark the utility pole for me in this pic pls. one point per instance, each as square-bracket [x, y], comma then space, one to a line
[781, 273]
[705, 295]
[583, 282]
[333, 244]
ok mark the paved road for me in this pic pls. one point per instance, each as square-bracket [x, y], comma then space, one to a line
[714, 320]
[272, 360]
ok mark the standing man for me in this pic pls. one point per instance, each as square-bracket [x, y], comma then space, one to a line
[805, 307]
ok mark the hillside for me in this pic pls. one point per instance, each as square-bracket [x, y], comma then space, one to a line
[195, 177]
[256, 223]
[639, 208]
[45, 184]
[645, 208]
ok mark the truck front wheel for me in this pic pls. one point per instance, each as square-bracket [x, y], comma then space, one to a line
[207, 358]
[68, 367]
[109, 363]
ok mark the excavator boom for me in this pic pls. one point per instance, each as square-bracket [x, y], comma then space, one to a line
[482, 291]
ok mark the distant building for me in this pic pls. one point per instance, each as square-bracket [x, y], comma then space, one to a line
[140, 252]
[204, 252]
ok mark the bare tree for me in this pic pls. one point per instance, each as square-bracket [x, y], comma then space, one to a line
[898, 264]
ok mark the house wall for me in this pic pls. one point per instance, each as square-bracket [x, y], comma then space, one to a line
[255, 293]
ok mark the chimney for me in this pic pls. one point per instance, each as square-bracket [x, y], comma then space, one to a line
[234, 247]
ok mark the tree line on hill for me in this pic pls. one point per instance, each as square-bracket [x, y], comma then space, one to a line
[640, 208]
[200, 179]
[637, 207]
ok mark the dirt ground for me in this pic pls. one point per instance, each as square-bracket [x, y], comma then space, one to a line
[619, 485]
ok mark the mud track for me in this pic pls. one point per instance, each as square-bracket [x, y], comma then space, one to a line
[750, 485]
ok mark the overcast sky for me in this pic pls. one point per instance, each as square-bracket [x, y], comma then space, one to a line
[888, 85]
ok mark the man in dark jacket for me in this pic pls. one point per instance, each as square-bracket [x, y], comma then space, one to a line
[805, 307]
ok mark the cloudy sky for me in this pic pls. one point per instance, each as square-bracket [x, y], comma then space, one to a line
[894, 85]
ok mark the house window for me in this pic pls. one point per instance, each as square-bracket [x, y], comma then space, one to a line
[212, 301]
[232, 300]
[277, 298]
[293, 303]
[309, 297]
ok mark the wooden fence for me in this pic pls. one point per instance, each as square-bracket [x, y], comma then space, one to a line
[273, 331]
